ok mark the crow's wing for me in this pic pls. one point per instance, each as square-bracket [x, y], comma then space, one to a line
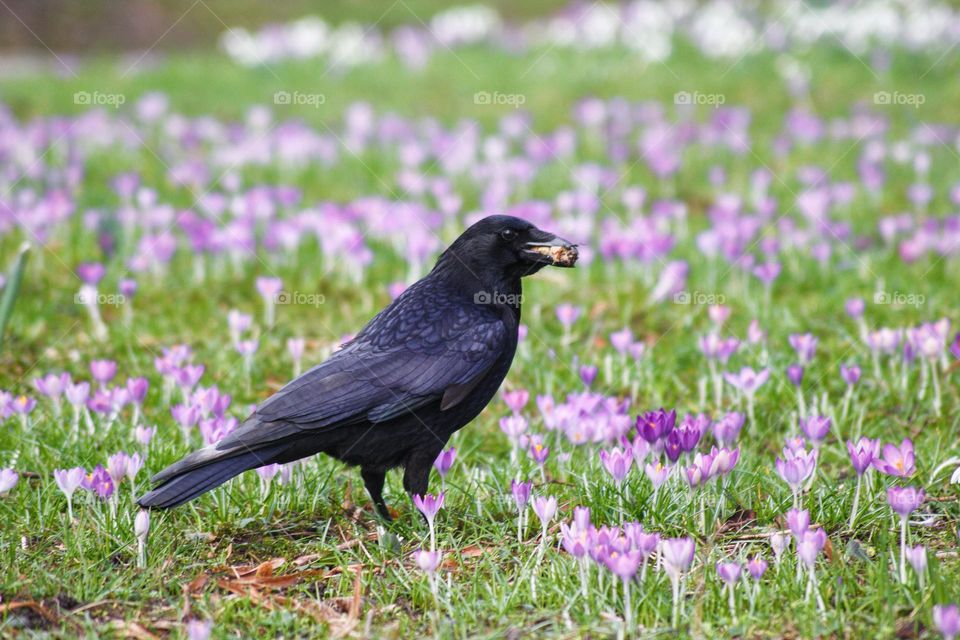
[407, 357]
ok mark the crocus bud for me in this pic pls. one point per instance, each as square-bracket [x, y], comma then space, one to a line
[141, 525]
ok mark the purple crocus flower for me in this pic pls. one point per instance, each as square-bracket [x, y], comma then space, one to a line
[617, 462]
[538, 452]
[199, 629]
[268, 472]
[8, 480]
[588, 373]
[850, 375]
[855, 307]
[862, 453]
[798, 521]
[755, 333]
[677, 554]
[514, 426]
[444, 461]
[747, 380]
[722, 461]
[796, 467]
[729, 572]
[574, 540]
[247, 348]
[429, 505]
[144, 435]
[567, 314]
[809, 546]
[521, 493]
[718, 314]
[815, 428]
[188, 376]
[946, 618]
[91, 273]
[623, 564]
[654, 425]
[127, 287]
[897, 461]
[268, 287]
[23, 405]
[428, 561]
[779, 542]
[117, 465]
[726, 430]
[805, 345]
[917, 557]
[141, 529]
[672, 447]
[905, 500]
[296, 347]
[657, 473]
[756, 567]
[767, 272]
[99, 482]
[546, 508]
[69, 480]
[795, 374]
[137, 388]
[52, 385]
[621, 340]
[237, 323]
[716, 348]
[516, 399]
[103, 371]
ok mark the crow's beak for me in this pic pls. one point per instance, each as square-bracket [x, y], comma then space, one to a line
[555, 251]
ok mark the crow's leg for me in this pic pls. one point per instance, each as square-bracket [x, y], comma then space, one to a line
[373, 479]
[416, 475]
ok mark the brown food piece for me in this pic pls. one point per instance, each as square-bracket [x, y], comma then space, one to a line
[564, 256]
[561, 256]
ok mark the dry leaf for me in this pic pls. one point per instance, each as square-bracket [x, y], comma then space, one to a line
[307, 559]
[357, 596]
[131, 630]
[197, 584]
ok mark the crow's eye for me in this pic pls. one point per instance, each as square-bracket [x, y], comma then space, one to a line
[508, 234]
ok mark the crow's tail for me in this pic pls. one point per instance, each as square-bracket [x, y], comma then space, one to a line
[202, 471]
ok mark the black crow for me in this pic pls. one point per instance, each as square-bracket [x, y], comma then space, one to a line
[392, 396]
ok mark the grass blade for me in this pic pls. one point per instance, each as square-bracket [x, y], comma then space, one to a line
[12, 288]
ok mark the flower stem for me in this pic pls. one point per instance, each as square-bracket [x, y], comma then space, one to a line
[675, 619]
[627, 607]
[856, 501]
[903, 549]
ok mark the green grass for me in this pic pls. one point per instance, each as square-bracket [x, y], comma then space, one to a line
[84, 572]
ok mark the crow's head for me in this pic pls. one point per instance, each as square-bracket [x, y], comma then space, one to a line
[501, 247]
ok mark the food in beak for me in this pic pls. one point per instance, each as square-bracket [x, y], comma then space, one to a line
[560, 255]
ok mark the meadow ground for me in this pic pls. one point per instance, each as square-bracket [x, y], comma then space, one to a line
[308, 557]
